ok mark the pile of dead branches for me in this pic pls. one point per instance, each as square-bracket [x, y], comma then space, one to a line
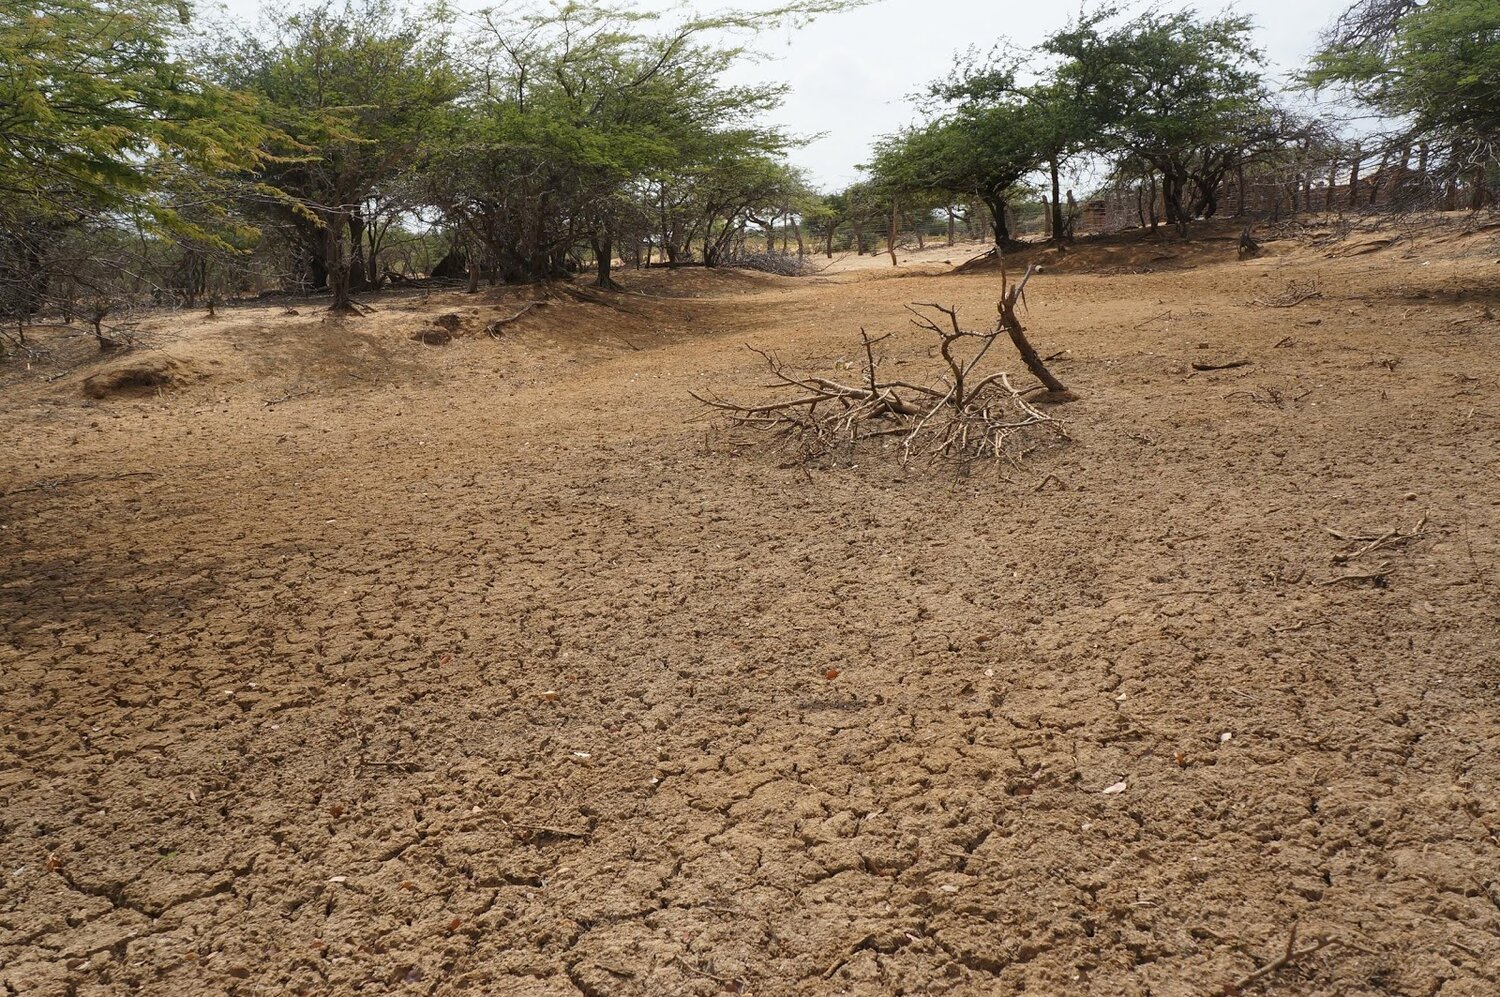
[969, 414]
[782, 264]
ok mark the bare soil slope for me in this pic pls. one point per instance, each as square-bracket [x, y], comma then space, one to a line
[341, 661]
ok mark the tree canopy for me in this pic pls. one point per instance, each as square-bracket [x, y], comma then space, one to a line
[97, 112]
[1431, 67]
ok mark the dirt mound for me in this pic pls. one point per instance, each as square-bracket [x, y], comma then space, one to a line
[139, 376]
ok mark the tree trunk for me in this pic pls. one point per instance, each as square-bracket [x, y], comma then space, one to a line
[1379, 176]
[1354, 161]
[604, 257]
[1172, 190]
[376, 240]
[358, 278]
[338, 265]
[313, 261]
[1058, 225]
[890, 237]
[952, 226]
[997, 206]
[1011, 324]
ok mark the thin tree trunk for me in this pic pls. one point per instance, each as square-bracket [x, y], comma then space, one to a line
[1379, 176]
[1058, 225]
[890, 236]
[604, 258]
[997, 208]
[338, 264]
[1354, 160]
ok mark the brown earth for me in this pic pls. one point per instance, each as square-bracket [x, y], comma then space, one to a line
[340, 661]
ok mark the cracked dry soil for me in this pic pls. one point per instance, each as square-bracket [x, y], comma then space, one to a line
[488, 669]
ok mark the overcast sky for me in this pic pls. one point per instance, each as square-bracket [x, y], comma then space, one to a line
[851, 73]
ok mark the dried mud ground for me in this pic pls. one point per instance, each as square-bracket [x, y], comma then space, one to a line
[339, 662]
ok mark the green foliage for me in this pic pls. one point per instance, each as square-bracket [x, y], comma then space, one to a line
[98, 114]
[983, 140]
[1434, 66]
[1185, 96]
[594, 122]
[355, 89]
[1163, 83]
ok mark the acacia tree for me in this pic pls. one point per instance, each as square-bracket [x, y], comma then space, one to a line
[590, 123]
[1186, 96]
[101, 124]
[1059, 120]
[357, 85]
[1432, 68]
[979, 145]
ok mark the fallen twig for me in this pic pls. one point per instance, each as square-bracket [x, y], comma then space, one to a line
[1377, 576]
[1222, 366]
[1289, 957]
[555, 832]
[286, 398]
[404, 766]
[1294, 295]
[493, 329]
[1372, 542]
[700, 971]
[54, 483]
[1391, 539]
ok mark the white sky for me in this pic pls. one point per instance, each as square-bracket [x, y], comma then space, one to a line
[851, 74]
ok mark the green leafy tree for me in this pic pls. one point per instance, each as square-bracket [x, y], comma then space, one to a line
[96, 111]
[980, 144]
[1184, 95]
[1433, 67]
[100, 120]
[358, 85]
[594, 121]
[1061, 124]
